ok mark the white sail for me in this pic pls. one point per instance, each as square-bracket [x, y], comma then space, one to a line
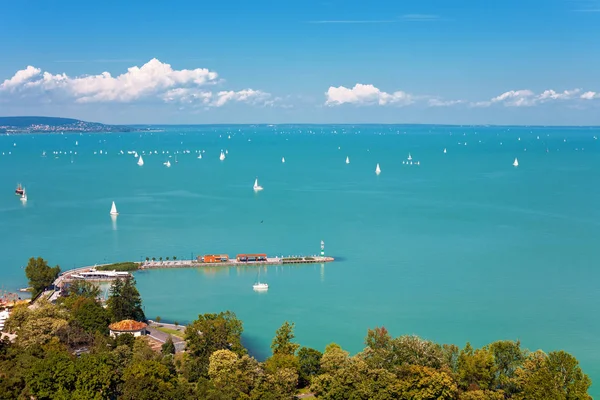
[516, 162]
[347, 160]
[444, 150]
[24, 195]
[283, 160]
[140, 161]
[113, 209]
[222, 156]
[409, 157]
[377, 169]
[167, 164]
[256, 186]
[200, 156]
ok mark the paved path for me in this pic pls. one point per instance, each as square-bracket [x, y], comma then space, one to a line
[162, 336]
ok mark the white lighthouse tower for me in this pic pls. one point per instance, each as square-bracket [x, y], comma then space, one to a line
[322, 248]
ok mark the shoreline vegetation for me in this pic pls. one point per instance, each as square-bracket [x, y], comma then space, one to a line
[63, 350]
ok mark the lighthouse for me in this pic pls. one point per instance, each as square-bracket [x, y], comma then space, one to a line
[322, 248]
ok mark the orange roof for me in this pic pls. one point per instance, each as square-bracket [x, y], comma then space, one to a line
[127, 325]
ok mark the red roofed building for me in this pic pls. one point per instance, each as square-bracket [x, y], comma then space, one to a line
[127, 326]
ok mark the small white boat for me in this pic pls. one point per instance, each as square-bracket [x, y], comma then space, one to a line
[347, 160]
[140, 161]
[113, 209]
[222, 156]
[444, 150]
[260, 286]
[200, 156]
[167, 164]
[516, 162]
[226, 151]
[409, 157]
[135, 154]
[377, 169]
[283, 160]
[256, 186]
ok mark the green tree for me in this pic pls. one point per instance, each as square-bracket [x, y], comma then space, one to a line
[125, 301]
[90, 315]
[282, 342]
[476, 369]
[232, 376]
[508, 357]
[52, 377]
[174, 257]
[40, 274]
[168, 347]
[412, 350]
[378, 353]
[81, 288]
[207, 334]
[556, 376]
[147, 258]
[98, 377]
[148, 380]
[309, 361]
[157, 319]
[420, 383]
[160, 258]
[167, 258]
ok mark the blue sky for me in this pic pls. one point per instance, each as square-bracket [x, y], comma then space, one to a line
[428, 61]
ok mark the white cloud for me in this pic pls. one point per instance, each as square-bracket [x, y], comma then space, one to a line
[154, 79]
[20, 78]
[515, 98]
[590, 96]
[444, 103]
[365, 95]
[552, 95]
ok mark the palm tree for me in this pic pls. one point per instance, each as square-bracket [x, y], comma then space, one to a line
[167, 258]
[160, 258]
[174, 257]
[147, 258]
[153, 258]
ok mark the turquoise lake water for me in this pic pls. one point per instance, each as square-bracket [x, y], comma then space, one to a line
[463, 247]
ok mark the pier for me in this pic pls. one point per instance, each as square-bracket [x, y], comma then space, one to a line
[269, 261]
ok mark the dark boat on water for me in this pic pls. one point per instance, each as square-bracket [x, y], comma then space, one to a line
[19, 190]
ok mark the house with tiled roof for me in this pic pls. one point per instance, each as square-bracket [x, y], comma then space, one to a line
[127, 326]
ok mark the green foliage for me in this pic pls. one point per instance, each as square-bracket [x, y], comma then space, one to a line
[282, 343]
[125, 301]
[209, 333]
[476, 368]
[157, 319]
[90, 315]
[122, 266]
[40, 274]
[80, 288]
[148, 380]
[309, 361]
[168, 346]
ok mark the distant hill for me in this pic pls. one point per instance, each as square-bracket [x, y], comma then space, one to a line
[54, 124]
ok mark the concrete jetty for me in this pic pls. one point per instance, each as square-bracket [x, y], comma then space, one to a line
[270, 261]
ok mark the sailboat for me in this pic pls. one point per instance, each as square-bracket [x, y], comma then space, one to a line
[258, 285]
[256, 186]
[200, 156]
[140, 161]
[222, 156]
[377, 169]
[516, 162]
[283, 160]
[19, 191]
[167, 164]
[444, 150]
[409, 157]
[113, 209]
[347, 160]
[24, 196]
